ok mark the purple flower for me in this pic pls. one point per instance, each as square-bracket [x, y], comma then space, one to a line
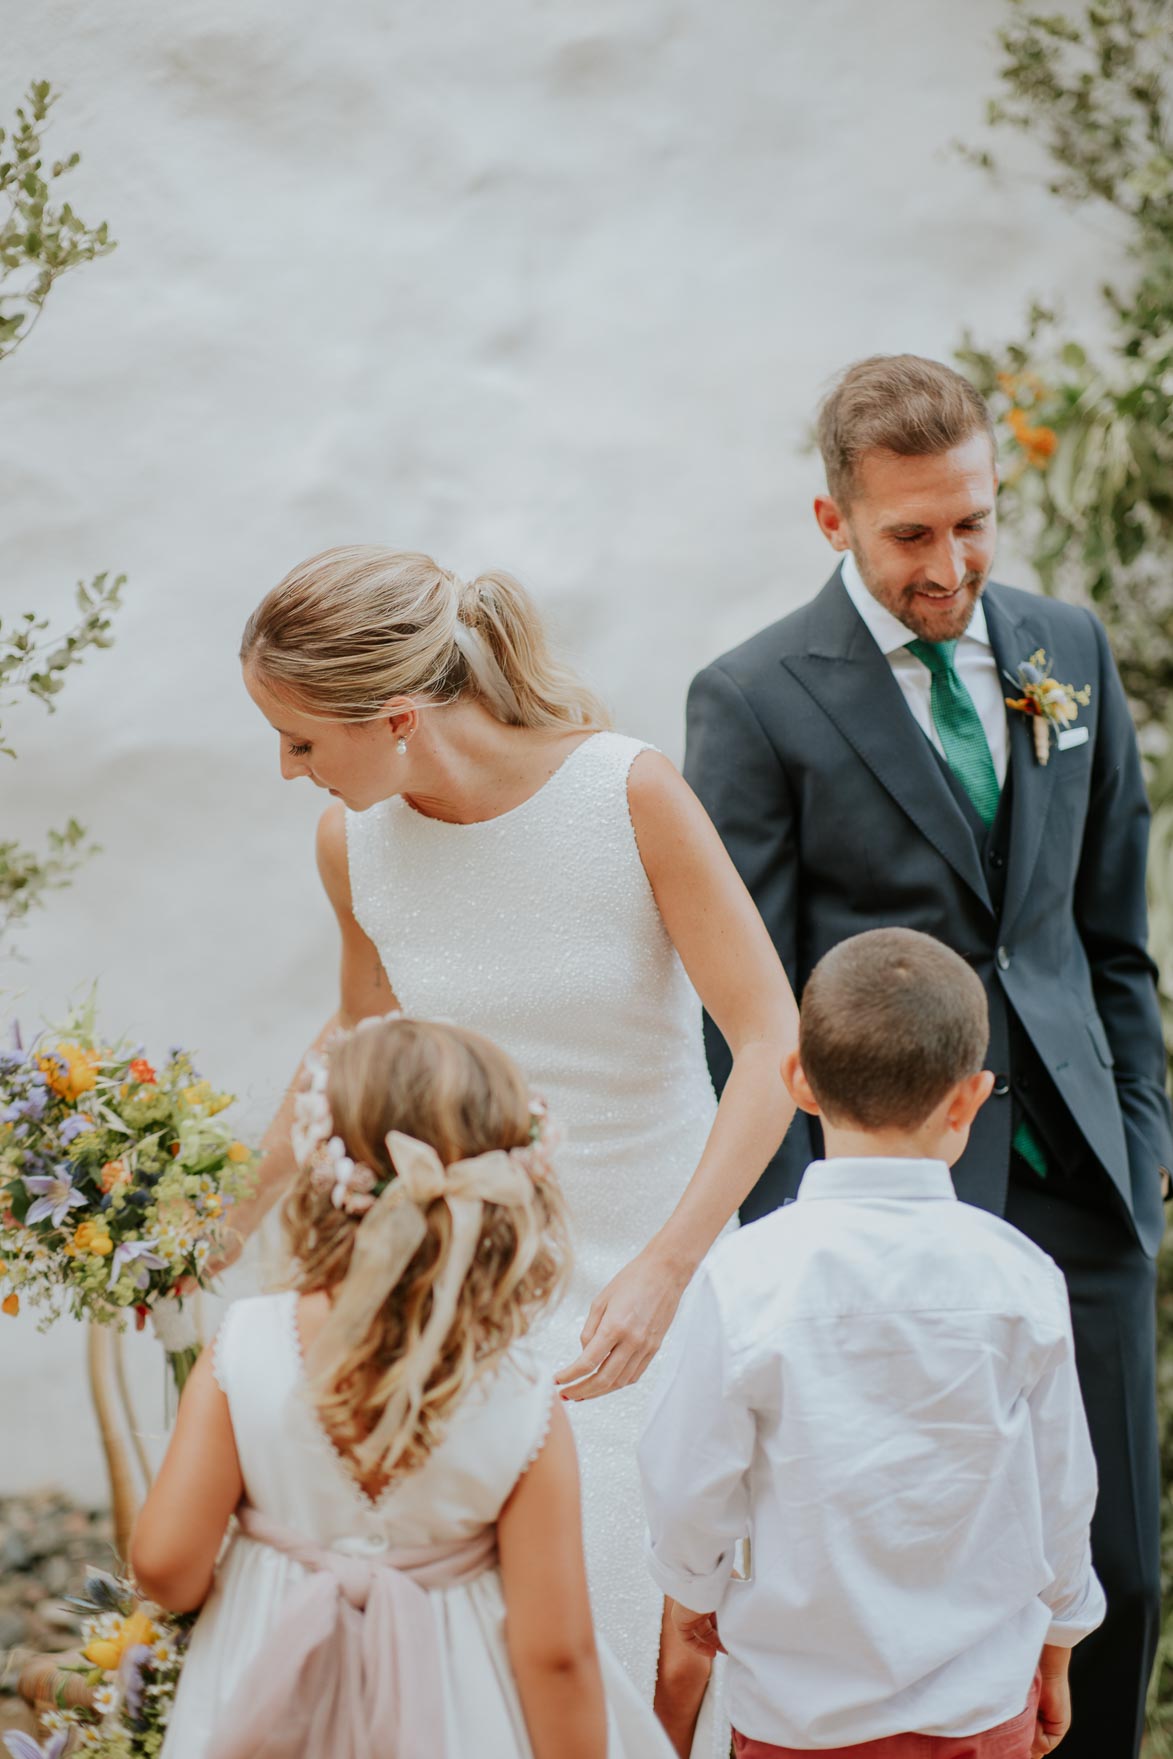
[130, 1678]
[24, 1747]
[55, 1195]
[128, 1251]
[73, 1128]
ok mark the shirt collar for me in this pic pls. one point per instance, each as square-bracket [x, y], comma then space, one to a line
[849, 1178]
[888, 632]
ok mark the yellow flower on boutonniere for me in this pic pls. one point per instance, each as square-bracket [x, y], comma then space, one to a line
[1047, 702]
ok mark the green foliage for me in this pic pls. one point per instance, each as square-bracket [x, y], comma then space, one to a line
[39, 242]
[1087, 434]
[39, 667]
[1087, 441]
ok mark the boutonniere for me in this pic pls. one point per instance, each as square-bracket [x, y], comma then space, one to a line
[1047, 702]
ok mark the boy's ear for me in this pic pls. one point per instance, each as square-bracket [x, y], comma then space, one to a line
[969, 1096]
[799, 1087]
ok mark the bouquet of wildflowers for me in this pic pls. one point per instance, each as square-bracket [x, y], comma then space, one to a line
[117, 1181]
[131, 1658]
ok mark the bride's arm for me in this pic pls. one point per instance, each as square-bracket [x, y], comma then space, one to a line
[727, 952]
[364, 990]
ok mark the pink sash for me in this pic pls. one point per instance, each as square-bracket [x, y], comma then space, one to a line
[352, 1667]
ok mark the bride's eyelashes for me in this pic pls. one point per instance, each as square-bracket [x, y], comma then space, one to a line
[299, 750]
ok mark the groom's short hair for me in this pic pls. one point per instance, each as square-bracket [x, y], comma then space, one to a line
[891, 1021]
[898, 403]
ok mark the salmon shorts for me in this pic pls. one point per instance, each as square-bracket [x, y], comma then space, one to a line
[1010, 1740]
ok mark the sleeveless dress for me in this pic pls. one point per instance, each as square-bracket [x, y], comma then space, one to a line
[293, 1475]
[539, 929]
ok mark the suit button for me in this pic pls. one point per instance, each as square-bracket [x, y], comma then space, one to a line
[1003, 958]
[997, 859]
[1001, 1086]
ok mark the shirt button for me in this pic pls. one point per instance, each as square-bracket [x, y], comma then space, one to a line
[1003, 957]
[997, 859]
[1001, 1086]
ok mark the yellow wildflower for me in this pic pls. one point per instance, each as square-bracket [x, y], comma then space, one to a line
[10, 1305]
[199, 1093]
[78, 1075]
[92, 1236]
[107, 1652]
[237, 1152]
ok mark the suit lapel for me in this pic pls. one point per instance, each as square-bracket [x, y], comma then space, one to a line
[850, 679]
[1014, 638]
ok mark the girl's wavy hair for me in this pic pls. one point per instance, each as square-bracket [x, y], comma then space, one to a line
[464, 1096]
[354, 627]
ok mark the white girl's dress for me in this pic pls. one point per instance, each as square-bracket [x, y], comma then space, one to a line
[293, 1475]
[539, 929]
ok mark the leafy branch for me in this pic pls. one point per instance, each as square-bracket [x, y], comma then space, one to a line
[41, 239]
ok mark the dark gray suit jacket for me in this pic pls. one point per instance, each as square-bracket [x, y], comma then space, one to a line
[840, 817]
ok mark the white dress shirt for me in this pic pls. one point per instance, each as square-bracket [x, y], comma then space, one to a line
[876, 1385]
[974, 662]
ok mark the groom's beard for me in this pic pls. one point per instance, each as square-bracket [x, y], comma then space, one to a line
[943, 618]
[926, 608]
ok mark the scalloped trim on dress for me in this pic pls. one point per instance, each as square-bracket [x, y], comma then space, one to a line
[544, 1432]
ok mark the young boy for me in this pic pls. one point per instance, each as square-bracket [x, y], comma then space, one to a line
[876, 1386]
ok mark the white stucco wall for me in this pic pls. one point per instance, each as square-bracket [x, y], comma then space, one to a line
[548, 286]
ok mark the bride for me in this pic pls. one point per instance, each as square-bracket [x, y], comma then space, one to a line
[496, 856]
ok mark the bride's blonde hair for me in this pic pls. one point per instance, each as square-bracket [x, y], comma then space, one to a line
[462, 1095]
[351, 628]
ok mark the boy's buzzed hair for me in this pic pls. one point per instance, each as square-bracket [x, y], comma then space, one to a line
[891, 1020]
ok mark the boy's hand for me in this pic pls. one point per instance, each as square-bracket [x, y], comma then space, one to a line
[699, 1630]
[1054, 1711]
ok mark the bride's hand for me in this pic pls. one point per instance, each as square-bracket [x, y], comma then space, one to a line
[624, 1328]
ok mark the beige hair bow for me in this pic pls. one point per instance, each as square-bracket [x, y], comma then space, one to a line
[386, 1241]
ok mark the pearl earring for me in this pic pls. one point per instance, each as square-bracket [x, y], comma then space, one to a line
[401, 746]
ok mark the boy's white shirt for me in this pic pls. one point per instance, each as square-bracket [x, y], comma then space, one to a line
[876, 1384]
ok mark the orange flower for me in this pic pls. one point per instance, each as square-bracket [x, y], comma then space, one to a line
[237, 1152]
[142, 1071]
[10, 1305]
[1038, 443]
[114, 1173]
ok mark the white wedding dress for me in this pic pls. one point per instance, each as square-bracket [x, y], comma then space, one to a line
[539, 929]
[293, 1475]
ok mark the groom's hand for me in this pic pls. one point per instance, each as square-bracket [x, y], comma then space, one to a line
[624, 1328]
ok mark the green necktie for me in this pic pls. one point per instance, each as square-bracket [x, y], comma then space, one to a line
[959, 727]
[967, 752]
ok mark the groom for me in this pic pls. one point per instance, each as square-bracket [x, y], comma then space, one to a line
[864, 768]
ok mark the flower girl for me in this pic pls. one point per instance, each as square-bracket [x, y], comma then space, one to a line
[406, 1576]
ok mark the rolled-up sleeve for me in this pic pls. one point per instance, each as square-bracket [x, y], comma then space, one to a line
[694, 1460]
[1067, 1480]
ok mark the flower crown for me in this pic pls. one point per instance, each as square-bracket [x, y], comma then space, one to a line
[354, 1186]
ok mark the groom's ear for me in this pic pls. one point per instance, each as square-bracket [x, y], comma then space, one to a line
[798, 1086]
[831, 522]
